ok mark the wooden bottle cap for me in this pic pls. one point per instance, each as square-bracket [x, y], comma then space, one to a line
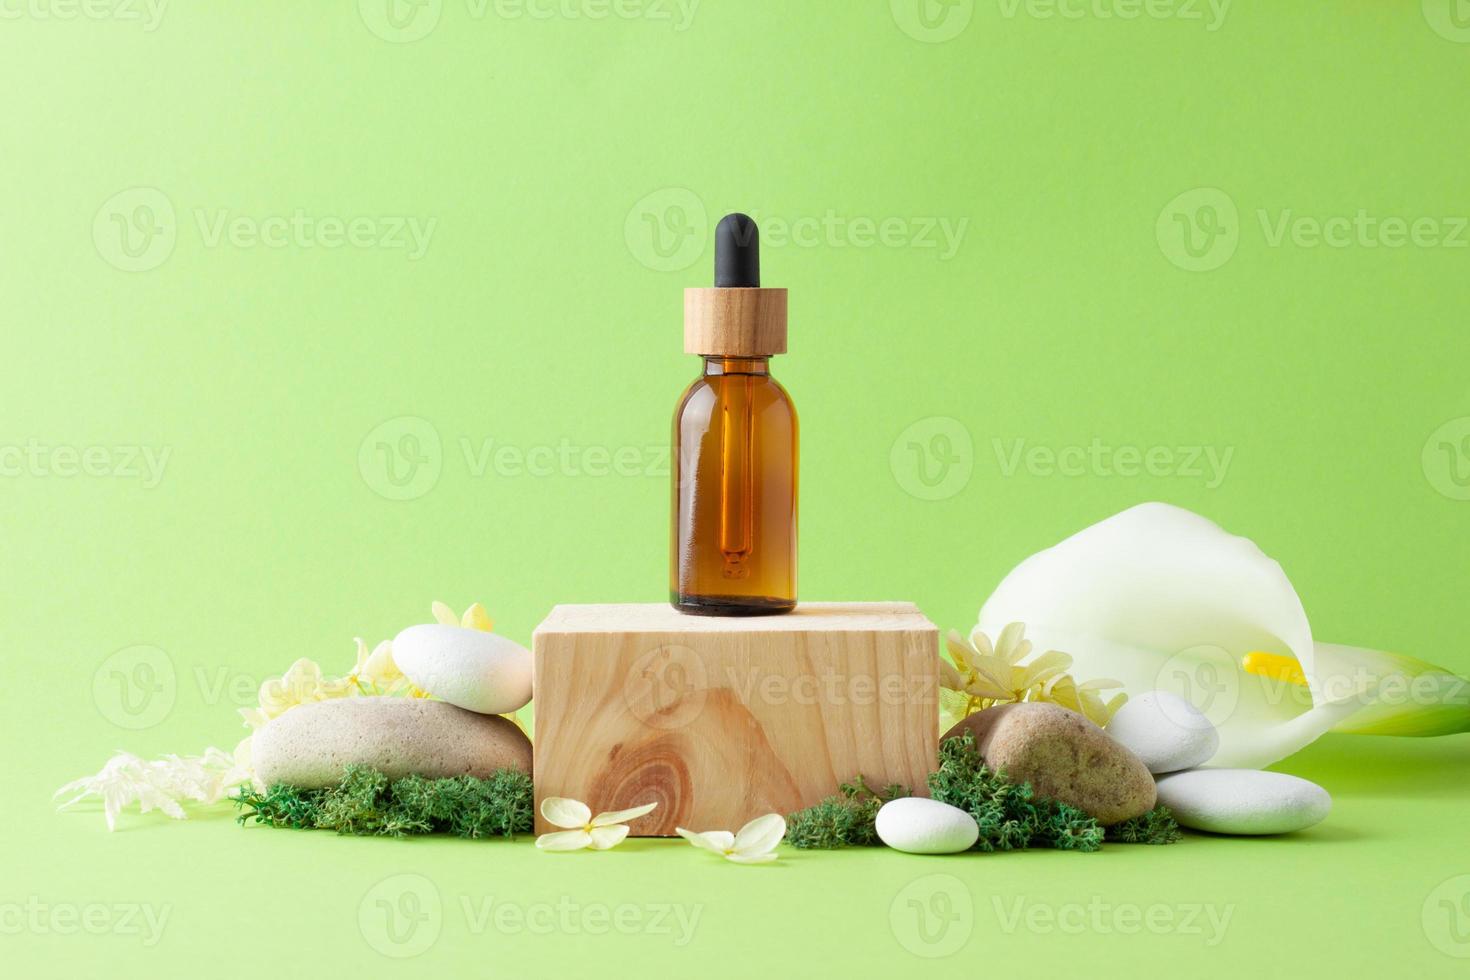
[735, 322]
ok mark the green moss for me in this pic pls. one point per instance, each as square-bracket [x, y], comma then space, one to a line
[366, 803]
[1157, 826]
[1010, 815]
[844, 820]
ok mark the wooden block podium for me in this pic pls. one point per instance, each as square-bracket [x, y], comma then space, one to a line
[722, 719]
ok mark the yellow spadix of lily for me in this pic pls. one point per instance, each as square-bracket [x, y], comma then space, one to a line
[1274, 667]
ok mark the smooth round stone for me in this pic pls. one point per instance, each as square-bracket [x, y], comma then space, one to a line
[922, 826]
[1243, 801]
[311, 744]
[475, 670]
[1165, 731]
[1064, 757]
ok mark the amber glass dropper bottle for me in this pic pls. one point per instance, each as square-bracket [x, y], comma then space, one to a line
[733, 539]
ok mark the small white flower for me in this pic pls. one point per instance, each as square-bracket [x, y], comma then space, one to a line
[604, 831]
[755, 843]
[160, 784]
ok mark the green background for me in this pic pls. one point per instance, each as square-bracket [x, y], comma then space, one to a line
[545, 312]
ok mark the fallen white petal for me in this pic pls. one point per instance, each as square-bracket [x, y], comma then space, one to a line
[761, 835]
[621, 816]
[564, 840]
[607, 837]
[562, 812]
[718, 841]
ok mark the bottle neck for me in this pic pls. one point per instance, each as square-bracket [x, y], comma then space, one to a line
[715, 365]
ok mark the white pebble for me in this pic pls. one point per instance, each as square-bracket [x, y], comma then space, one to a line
[1243, 801]
[1165, 731]
[923, 826]
[471, 668]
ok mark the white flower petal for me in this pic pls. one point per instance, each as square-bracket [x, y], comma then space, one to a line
[621, 816]
[752, 858]
[564, 840]
[444, 614]
[761, 835]
[562, 812]
[1414, 697]
[604, 838]
[718, 841]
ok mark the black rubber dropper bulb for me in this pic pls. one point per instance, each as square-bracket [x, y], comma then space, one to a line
[737, 252]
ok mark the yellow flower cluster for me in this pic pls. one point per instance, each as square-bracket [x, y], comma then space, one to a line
[375, 673]
[984, 675]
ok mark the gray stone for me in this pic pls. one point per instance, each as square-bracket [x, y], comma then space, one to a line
[310, 745]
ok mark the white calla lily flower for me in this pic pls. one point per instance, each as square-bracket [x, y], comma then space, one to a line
[1161, 598]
